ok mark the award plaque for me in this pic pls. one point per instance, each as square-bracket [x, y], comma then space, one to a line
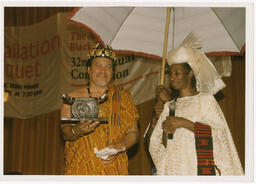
[82, 109]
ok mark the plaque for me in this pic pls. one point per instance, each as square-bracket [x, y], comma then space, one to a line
[83, 109]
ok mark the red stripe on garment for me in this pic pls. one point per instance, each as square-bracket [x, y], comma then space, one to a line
[204, 127]
[203, 135]
[202, 131]
[204, 160]
[205, 163]
[204, 156]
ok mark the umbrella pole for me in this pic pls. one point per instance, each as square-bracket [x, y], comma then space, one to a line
[165, 44]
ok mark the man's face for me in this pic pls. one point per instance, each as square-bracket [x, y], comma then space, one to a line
[101, 71]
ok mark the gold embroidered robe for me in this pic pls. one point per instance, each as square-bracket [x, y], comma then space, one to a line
[179, 157]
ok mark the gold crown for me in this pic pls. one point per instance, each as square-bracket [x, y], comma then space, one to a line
[98, 51]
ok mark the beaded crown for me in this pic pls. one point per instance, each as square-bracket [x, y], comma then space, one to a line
[99, 51]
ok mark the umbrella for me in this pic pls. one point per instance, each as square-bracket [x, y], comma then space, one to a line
[142, 29]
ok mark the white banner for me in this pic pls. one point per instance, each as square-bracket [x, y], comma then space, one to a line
[31, 69]
[44, 60]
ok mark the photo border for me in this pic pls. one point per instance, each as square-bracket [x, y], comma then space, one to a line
[249, 95]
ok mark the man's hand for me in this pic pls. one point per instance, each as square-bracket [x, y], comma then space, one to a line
[113, 149]
[86, 127]
[110, 159]
[117, 145]
[110, 153]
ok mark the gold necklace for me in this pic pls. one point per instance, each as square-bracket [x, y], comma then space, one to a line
[100, 99]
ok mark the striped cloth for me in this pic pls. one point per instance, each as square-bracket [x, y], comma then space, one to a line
[204, 150]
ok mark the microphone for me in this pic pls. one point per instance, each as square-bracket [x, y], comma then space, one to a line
[172, 107]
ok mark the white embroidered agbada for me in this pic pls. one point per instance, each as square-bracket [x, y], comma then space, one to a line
[179, 158]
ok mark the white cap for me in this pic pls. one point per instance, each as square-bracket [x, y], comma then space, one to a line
[207, 78]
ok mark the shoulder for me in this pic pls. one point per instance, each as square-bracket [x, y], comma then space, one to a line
[81, 92]
[205, 96]
[208, 99]
[119, 89]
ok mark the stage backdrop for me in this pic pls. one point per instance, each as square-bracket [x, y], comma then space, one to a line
[47, 59]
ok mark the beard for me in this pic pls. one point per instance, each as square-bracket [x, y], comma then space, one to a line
[102, 83]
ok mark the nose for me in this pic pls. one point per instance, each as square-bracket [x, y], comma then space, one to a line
[102, 69]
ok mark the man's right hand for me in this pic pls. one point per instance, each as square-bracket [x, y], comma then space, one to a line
[85, 127]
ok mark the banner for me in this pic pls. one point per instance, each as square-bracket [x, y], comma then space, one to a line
[31, 69]
[47, 59]
[44, 60]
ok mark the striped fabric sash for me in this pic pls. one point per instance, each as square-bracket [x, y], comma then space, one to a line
[116, 106]
[204, 150]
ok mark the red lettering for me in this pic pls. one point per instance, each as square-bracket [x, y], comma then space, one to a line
[29, 71]
[84, 36]
[37, 49]
[37, 74]
[31, 50]
[31, 46]
[24, 54]
[73, 35]
[47, 43]
[9, 70]
[77, 36]
[18, 74]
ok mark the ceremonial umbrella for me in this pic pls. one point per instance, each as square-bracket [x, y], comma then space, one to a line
[142, 29]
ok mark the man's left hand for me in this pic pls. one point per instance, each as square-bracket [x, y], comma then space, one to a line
[117, 145]
[111, 151]
[110, 159]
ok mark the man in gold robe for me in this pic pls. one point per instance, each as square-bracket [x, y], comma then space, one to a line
[87, 141]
